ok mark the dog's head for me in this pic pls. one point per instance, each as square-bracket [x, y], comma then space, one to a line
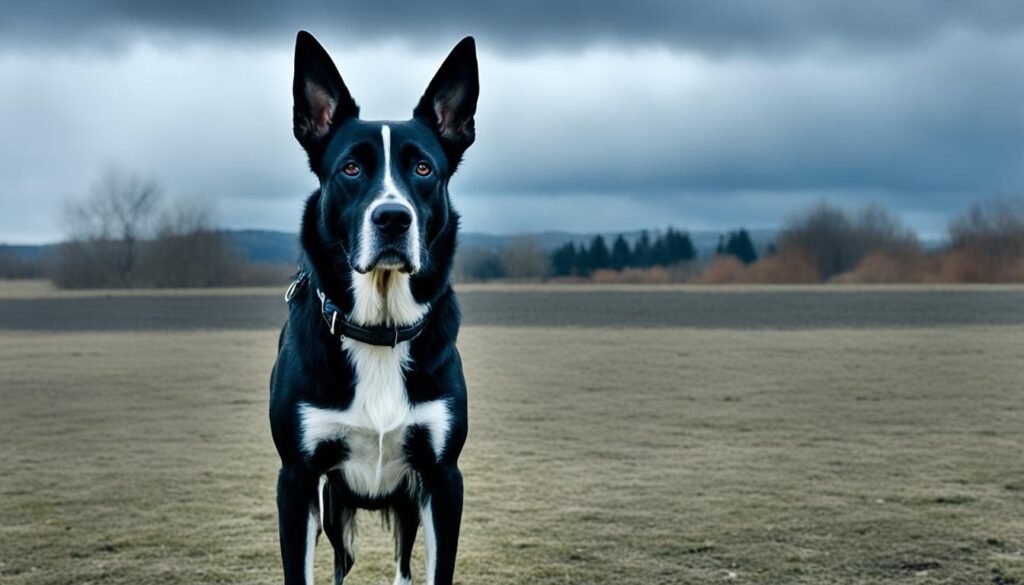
[383, 185]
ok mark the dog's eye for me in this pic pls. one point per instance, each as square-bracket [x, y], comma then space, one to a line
[351, 169]
[423, 169]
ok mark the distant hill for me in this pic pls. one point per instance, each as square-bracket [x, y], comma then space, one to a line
[27, 252]
[265, 246]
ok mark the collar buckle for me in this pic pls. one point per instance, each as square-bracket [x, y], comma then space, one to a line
[295, 286]
[331, 321]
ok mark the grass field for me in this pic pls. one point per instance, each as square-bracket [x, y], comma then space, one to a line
[597, 454]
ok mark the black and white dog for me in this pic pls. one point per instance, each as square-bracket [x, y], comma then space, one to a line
[367, 397]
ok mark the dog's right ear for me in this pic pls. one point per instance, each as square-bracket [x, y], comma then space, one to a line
[321, 99]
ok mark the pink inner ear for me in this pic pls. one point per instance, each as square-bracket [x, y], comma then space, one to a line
[322, 106]
[445, 106]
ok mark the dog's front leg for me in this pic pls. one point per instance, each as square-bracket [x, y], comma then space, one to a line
[299, 522]
[406, 513]
[441, 515]
[339, 519]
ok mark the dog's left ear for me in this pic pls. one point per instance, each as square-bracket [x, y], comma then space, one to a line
[450, 100]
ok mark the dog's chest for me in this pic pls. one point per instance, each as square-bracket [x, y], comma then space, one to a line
[380, 416]
[374, 427]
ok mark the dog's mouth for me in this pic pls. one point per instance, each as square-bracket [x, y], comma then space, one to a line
[389, 258]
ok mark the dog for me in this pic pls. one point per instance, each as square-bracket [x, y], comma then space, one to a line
[367, 396]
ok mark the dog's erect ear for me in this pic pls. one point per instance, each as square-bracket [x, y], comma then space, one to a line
[450, 101]
[321, 98]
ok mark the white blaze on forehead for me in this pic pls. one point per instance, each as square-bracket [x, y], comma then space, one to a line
[390, 190]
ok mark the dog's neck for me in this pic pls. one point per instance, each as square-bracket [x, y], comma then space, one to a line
[384, 297]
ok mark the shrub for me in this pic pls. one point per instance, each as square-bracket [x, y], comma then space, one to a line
[986, 244]
[724, 269]
[523, 259]
[892, 266]
[838, 241]
[785, 267]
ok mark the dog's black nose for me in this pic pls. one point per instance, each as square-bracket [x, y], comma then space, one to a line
[392, 219]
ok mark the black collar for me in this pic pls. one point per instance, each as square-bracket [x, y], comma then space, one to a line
[340, 327]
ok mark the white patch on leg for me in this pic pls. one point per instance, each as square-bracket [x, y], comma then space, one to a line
[311, 532]
[399, 579]
[320, 497]
[429, 540]
[435, 417]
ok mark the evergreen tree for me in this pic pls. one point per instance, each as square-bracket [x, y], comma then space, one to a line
[563, 260]
[621, 257]
[659, 251]
[582, 266]
[599, 255]
[683, 249]
[666, 249]
[677, 248]
[741, 246]
[642, 251]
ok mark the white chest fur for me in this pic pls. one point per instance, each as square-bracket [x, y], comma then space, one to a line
[374, 425]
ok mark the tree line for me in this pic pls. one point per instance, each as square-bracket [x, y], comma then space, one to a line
[665, 249]
[125, 233]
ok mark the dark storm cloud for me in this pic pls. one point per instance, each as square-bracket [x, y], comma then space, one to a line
[592, 115]
[714, 27]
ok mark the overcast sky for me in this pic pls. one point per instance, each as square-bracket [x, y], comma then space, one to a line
[593, 115]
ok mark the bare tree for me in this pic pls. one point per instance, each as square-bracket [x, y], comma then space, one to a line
[477, 264]
[108, 225]
[995, 227]
[838, 240]
[523, 258]
[189, 252]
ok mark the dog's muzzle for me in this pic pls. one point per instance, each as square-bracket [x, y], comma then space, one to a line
[390, 239]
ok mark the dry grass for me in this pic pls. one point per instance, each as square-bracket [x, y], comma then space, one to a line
[677, 274]
[653, 275]
[616, 456]
[894, 266]
[960, 265]
[785, 267]
[974, 265]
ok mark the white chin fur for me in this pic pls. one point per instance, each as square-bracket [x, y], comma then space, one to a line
[402, 267]
[384, 297]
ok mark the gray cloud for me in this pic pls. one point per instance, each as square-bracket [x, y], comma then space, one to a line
[721, 27]
[916, 109]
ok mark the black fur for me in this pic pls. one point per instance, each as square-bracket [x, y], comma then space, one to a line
[311, 366]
